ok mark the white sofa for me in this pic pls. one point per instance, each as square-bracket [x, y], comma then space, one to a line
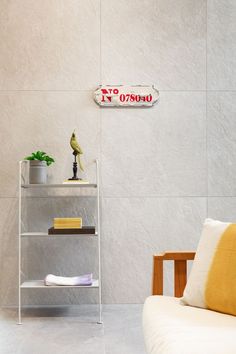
[172, 328]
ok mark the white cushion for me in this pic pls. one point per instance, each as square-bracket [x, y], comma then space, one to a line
[194, 293]
[172, 328]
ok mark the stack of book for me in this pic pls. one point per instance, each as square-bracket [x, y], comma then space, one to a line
[66, 226]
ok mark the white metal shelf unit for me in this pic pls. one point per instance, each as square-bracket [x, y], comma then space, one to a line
[39, 284]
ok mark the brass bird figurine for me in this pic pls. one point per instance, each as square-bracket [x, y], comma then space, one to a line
[77, 149]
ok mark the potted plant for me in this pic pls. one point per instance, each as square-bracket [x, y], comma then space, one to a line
[38, 167]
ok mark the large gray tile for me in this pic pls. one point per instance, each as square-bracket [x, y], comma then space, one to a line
[133, 230]
[42, 334]
[136, 228]
[157, 151]
[151, 41]
[221, 49]
[49, 44]
[72, 330]
[8, 250]
[222, 208]
[45, 120]
[222, 143]
[124, 334]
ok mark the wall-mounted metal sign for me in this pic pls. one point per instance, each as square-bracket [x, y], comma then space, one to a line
[126, 96]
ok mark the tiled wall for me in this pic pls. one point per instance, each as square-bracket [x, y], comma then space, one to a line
[163, 169]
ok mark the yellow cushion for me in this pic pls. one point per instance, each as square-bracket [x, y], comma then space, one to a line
[220, 292]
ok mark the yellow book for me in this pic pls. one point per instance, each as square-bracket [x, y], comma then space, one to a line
[67, 223]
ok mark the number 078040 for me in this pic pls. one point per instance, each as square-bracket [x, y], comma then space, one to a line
[134, 98]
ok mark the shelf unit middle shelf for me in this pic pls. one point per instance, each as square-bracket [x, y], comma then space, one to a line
[45, 234]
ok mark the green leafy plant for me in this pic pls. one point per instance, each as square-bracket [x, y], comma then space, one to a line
[40, 156]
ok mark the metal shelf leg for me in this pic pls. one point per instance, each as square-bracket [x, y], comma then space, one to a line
[19, 248]
[99, 245]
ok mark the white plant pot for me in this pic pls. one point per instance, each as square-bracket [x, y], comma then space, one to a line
[38, 172]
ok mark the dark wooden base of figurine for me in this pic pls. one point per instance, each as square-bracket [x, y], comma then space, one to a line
[75, 169]
[74, 179]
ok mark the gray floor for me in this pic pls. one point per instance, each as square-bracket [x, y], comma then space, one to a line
[68, 330]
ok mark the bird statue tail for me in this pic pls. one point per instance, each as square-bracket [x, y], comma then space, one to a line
[80, 163]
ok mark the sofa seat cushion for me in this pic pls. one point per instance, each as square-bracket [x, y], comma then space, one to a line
[172, 328]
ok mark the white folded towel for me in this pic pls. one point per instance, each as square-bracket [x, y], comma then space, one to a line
[86, 280]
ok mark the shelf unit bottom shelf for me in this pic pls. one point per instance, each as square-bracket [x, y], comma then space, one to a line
[31, 284]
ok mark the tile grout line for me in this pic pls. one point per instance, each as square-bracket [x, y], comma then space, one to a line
[100, 112]
[100, 79]
[100, 44]
[207, 162]
[168, 196]
[100, 168]
[51, 90]
[127, 196]
[92, 90]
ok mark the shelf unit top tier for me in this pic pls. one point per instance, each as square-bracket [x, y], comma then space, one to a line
[76, 185]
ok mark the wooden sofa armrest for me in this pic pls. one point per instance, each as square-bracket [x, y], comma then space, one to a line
[180, 271]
